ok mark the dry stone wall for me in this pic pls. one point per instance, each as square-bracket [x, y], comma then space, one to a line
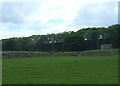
[98, 53]
[34, 54]
[21, 54]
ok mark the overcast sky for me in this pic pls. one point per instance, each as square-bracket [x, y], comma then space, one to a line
[21, 19]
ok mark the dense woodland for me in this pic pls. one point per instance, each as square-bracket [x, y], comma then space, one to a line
[84, 39]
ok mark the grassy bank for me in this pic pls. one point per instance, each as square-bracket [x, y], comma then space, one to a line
[102, 50]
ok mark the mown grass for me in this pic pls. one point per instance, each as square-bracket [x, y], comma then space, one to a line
[61, 70]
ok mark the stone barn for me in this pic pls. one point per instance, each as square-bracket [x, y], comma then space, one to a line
[107, 46]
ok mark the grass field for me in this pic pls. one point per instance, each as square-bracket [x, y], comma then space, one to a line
[61, 70]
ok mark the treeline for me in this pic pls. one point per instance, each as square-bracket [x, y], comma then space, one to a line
[84, 39]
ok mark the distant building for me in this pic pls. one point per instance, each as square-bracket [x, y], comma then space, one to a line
[107, 46]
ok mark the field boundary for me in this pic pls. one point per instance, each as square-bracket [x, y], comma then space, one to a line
[100, 53]
[36, 54]
[21, 54]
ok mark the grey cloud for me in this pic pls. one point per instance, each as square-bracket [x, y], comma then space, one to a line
[119, 12]
[16, 12]
[103, 15]
[9, 14]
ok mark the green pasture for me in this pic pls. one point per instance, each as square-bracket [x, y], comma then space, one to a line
[61, 70]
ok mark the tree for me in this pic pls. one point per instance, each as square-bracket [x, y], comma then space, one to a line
[73, 42]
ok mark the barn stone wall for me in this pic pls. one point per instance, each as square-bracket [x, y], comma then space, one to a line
[107, 46]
